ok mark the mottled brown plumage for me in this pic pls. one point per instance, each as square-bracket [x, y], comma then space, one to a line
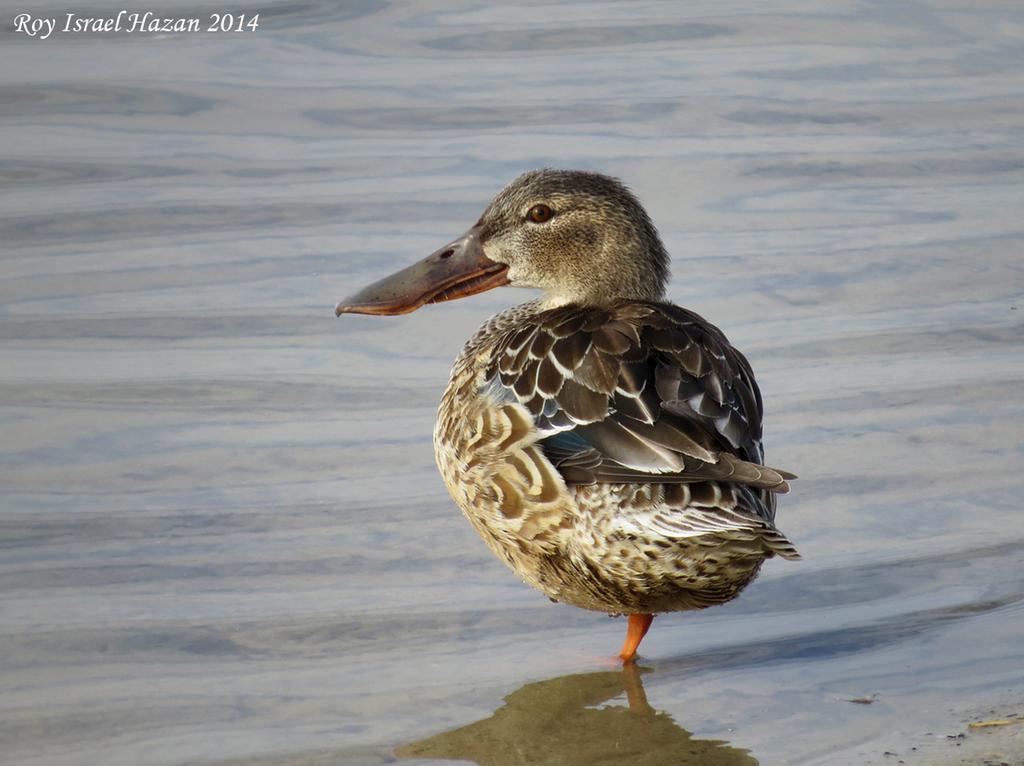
[606, 444]
[619, 472]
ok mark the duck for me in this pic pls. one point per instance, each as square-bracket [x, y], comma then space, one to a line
[605, 443]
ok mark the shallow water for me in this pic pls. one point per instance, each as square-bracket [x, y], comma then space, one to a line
[223, 539]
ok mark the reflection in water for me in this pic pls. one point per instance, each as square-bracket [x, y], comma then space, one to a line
[565, 720]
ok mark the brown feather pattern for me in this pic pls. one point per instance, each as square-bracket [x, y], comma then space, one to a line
[612, 457]
[656, 390]
[607, 446]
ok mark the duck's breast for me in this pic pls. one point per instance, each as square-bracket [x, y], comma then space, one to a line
[488, 454]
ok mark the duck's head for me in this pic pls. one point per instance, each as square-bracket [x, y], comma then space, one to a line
[580, 237]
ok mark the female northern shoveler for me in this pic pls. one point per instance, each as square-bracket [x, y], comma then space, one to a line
[606, 444]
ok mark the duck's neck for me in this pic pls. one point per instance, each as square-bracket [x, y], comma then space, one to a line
[598, 294]
[635, 269]
[557, 300]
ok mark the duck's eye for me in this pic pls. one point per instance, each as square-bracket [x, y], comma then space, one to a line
[540, 213]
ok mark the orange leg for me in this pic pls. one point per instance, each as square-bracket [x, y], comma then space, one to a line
[638, 625]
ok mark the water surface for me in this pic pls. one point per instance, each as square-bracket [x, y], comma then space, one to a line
[222, 537]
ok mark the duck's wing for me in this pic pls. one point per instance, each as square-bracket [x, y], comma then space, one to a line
[643, 392]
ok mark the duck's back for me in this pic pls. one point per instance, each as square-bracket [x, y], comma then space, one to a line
[612, 456]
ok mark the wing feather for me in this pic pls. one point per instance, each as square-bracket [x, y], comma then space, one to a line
[643, 392]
